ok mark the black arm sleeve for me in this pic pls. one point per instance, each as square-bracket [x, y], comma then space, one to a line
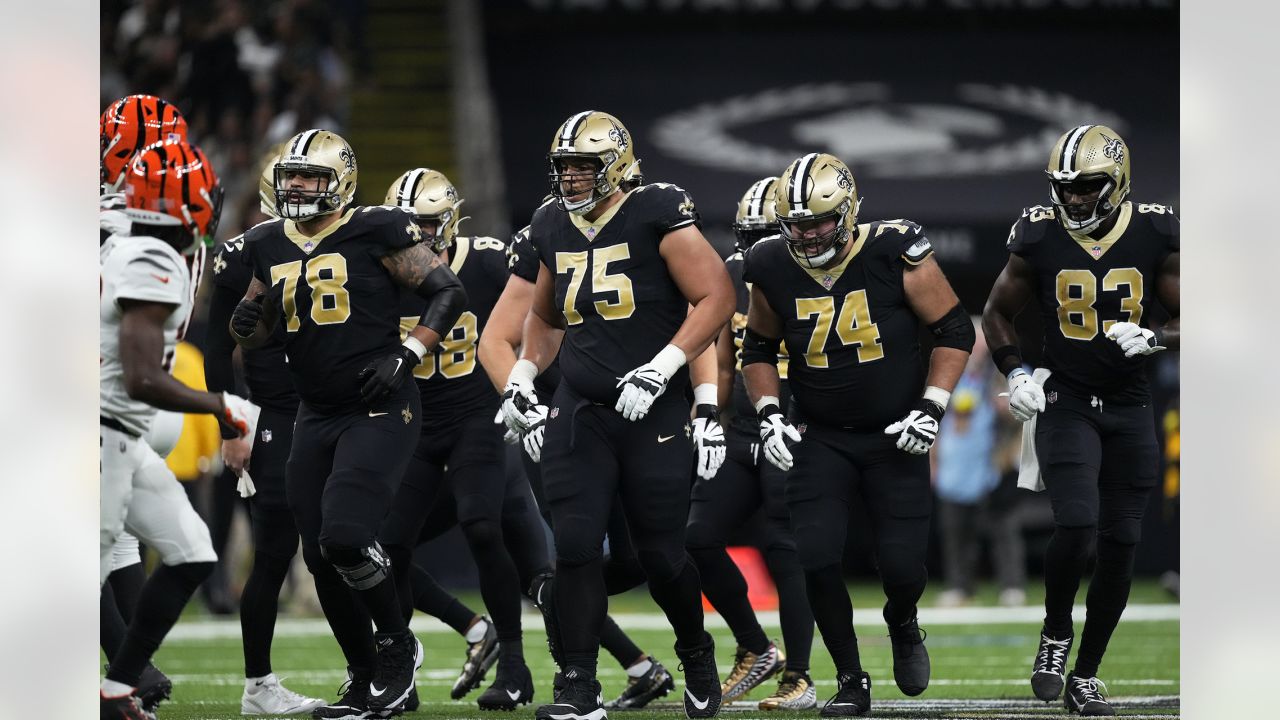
[757, 348]
[219, 376]
[954, 330]
[445, 298]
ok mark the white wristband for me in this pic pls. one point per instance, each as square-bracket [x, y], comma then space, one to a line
[416, 346]
[668, 360]
[766, 400]
[705, 394]
[938, 395]
[524, 372]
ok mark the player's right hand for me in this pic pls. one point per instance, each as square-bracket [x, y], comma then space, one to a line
[1026, 397]
[775, 431]
[233, 420]
[532, 438]
[244, 320]
[518, 398]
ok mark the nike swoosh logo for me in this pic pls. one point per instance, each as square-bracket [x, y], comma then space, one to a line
[374, 414]
[399, 362]
[513, 694]
[374, 691]
[162, 278]
[700, 704]
[664, 439]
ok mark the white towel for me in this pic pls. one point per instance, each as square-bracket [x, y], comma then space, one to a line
[1029, 468]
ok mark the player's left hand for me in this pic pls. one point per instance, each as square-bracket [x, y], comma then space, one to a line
[1134, 340]
[640, 388]
[381, 377]
[708, 441]
[235, 454]
[532, 437]
[510, 437]
[917, 431]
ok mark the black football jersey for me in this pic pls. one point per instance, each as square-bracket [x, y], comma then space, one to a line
[854, 341]
[265, 372]
[451, 379]
[1083, 287]
[743, 412]
[618, 300]
[340, 305]
[523, 262]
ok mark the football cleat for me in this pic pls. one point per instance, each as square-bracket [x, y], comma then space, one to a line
[481, 656]
[640, 691]
[352, 702]
[541, 592]
[795, 692]
[1084, 697]
[398, 655]
[750, 669]
[123, 707]
[1050, 666]
[701, 680]
[853, 697]
[266, 696]
[577, 697]
[910, 658]
[512, 688]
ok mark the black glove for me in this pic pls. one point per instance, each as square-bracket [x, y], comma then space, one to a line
[244, 321]
[383, 376]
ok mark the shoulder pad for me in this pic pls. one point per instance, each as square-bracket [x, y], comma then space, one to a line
[381, 214]
[736, 257]
[758, 259]
[234, 245]
[262, 229]
[1030, 228]
[900, 238]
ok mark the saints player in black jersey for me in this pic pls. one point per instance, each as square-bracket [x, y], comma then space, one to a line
[334, 274]
[747, 494]
[459, 454]
[849, 299]
[647, 678]
[1092, 262]
[618, 272]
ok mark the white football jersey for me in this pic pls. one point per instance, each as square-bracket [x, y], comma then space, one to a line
[147, 269]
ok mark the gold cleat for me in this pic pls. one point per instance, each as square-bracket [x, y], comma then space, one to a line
[795, 692]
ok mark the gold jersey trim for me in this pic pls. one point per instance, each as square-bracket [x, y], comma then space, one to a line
[1097, 248]
[828, 277]
[292, 232]
[590, 230]
[458, 253]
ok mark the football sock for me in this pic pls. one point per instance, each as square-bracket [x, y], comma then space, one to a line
[794, 612]
[1107, 598]
[618, 643]
[725, 587]
[580, 603]
[383, 604]
[1064, 563]
[475, 633]
[111, 626]
[681, 599]
[640, 668]
[499, 582]
[347, 618]
[834, 615]
[126, 584]
[259, 605]
[160, 603]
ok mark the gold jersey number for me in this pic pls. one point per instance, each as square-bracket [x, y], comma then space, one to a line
[326, 275]
[602, 281]
[456, 356]
[853, 327]
[1077, 291]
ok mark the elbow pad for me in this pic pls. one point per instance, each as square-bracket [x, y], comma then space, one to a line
[757, 348]
[954, 330]
[445, 299]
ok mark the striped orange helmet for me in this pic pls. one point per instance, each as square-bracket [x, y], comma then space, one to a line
[171, 183]
[127, 126]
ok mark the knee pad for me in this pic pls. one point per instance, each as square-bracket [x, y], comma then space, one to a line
[815, 548]
[484, 535]
[361, 568]
[900, 564]
[573, 547]
[1126, 531]
[1075, 514]
[782, 562]
[662, 565]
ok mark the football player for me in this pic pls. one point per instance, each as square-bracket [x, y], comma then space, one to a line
[647, 678]
[618, 272]
[1092, 262]
[334, 273]
[746, 484]
[849, 299]
[459, 455]
[173, 201]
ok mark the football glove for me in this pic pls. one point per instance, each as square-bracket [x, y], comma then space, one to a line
[708, 440]
[510, 437]
[518, 397]
[235, 418]
[775, 431]
[640, 388]
[1134, 340]
[532, 438]
[917, 431]
[1026, 397]
[244, 319]
[381, 377]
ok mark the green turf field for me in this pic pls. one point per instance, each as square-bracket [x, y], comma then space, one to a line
[980, 663]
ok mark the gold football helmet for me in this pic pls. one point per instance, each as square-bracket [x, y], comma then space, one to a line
[634, 177]
[434, 202]
[816, 187]
[756, 218]
[1088, 176]
[600, 138]
[323, 154]
[267, 180]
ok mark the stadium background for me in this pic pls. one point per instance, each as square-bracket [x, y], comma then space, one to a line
[944, 109]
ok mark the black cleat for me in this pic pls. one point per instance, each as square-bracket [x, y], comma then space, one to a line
[512, 688]
[910, 657]
[153, 688]
[397, 657]
[701, 679]
[577, 698]
[853, 697]
[480, 657]
[352, 702]
[123, 707]
[641, 691]
[540, 592]
[1084, 697]
[1050, 666]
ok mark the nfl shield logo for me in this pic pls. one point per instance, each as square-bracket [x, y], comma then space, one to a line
[828, 281]
[555, 413]
[1096, 250]
[1051, 396]
[266, 435]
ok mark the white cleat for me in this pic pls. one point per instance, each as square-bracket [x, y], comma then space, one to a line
[266, 696]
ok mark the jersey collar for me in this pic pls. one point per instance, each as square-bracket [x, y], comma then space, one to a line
[591, 230]
[827, 277]
[1098, 248]
[308, 243]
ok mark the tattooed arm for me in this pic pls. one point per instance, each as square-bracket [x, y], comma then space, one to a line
[418, 268]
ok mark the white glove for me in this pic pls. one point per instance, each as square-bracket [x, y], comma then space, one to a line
[708, 441]
[244, 485]
[1026, 397]
[774, 433]
[1134, 340]
[532, 438]
[642, 386]
[917, 431]
[518, 396]
[510, 437]
[238, 416]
